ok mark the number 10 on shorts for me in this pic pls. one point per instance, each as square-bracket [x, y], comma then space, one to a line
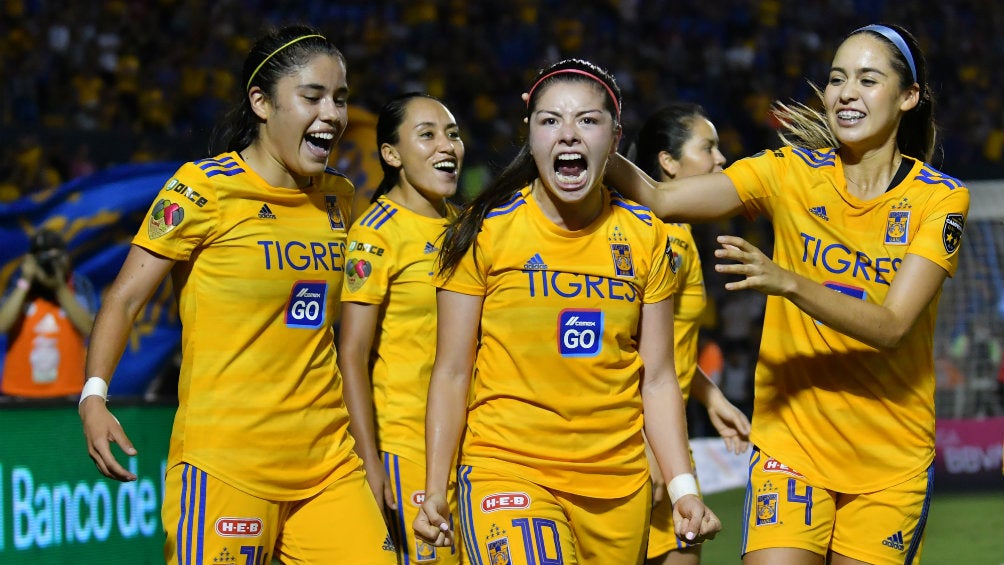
[580, 332]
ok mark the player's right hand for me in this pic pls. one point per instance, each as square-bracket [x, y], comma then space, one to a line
[432, 523]
[695, 522]
[101, 429]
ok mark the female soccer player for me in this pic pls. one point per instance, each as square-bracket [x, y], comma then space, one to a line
[385, 349]
[261, 463]
[675, 142]
[554, 290]
[865, 234]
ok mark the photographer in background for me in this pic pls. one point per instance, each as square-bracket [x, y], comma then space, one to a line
[47, 316]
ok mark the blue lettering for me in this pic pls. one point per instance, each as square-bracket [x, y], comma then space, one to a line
[836, 259]
[576, 288]
[844, 264]
[336, 251]
[304, 260]
[862, 262]
[317, 255]
[615, 285]
[880, 271]
[574, 285]
[807, 239]
[266, 247]
[593, 285]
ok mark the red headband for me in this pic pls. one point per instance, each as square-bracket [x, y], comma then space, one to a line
[609, 90]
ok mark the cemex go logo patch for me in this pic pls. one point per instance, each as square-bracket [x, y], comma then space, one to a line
[164, 217]
[505, 501]
[306, 305]
[238, 527]
[580, 332]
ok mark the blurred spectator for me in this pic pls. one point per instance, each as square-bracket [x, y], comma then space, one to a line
[47, 316]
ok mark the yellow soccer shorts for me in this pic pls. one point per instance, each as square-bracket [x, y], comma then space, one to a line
[509, 520]
[408, 482]
[783, 509]
[208, 521]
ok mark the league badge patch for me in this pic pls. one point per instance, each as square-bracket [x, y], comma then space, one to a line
[334, 212]
[897, 227]
[164, 217]
[623, 264]
[952, 234]
[357, 271]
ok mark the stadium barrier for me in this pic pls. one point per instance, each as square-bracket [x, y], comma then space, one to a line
[56, 508]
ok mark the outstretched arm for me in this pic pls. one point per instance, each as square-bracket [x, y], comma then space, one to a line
[140, 276]
[701, 198]
[879, 325]
[446, 412]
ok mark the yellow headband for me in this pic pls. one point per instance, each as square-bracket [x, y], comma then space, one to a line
[272, 54]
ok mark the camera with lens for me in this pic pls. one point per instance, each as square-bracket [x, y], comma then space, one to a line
[48, 248]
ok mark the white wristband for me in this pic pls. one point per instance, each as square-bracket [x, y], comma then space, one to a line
[95, 386]
[682, 485]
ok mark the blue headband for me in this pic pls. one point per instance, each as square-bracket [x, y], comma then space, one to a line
[896, 40]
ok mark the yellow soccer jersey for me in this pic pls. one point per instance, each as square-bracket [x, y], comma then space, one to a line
[390, 262]
[689, 304]
[556, 395]
[258, 275]
[848, 416]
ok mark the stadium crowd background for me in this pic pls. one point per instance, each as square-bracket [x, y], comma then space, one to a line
[88, 85]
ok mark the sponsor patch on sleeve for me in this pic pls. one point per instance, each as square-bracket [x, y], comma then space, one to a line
[164, 217]
[357, 272]
[952, 233]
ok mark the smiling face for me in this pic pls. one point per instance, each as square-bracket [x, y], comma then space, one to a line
[304, 119]
[699, 154]
[864, 97]
[428, 153]
[572, 134]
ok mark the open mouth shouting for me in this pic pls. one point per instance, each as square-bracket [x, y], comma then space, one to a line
[319, 143]
[570, 170]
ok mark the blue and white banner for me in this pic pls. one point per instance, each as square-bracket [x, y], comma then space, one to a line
[98, 216]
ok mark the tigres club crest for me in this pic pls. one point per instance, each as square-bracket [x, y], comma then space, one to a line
[498, 552]
[164, 217]
[424, 551]
[623, 264]
[897, 227]
[334, 212]
[952, 234]
[766, 508]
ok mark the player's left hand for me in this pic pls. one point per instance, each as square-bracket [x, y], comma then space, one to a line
[761, 273]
